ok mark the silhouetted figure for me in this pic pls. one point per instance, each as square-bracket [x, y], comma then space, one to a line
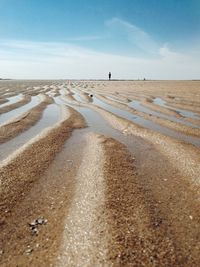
[109, 75]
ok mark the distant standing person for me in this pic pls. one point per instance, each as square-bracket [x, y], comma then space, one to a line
[109, 75]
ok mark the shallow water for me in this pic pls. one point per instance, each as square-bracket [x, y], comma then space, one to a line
[95, 122]
[50, 116]
[159, 101]
[128, 116]
[18, 111]
[77, 96]
[11, 100]
[146, 123]
[136, 105]
[184, 113]
[117, 99]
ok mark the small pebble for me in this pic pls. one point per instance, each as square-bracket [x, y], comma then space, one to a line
[33, 223]
[29, 251]
[35, 231]
[40, 221]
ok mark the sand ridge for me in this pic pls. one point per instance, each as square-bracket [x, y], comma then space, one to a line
[23, 122]
[123, 197]
[22, 101]
[35, 158]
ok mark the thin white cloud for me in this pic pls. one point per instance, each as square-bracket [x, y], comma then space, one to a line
[167, 54]
[50, 60]
[43, 50]
[135, 35]
[174, 64]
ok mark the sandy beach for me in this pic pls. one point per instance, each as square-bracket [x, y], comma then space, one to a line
[99, 173]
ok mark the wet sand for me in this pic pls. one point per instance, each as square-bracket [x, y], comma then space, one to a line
[24, 121]
[97, 188]
[21, 102]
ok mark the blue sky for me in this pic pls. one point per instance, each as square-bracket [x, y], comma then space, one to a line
[158, 39]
